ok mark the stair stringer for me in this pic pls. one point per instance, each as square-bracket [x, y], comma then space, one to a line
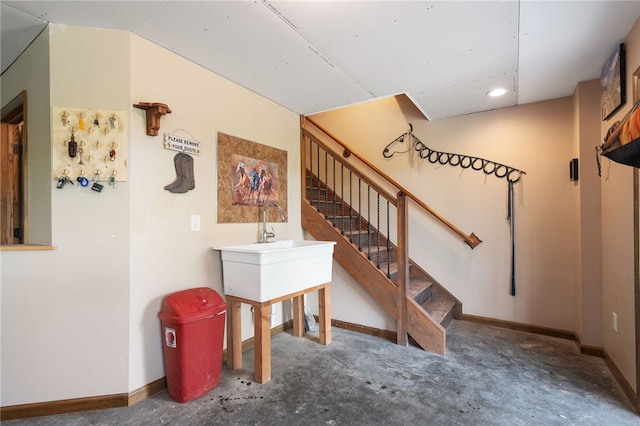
[352, 260]
[425, 330]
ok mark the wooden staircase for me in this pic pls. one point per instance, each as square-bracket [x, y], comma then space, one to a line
[372, 260]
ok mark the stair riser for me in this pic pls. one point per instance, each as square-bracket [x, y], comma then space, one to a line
[377, 256]
[329, 208]
[358, 239]
[344, 224]
[447, 319]
[316, 194]
[365, 239]
[423, 296]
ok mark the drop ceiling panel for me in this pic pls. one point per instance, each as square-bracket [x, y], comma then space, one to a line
[37, 9]
[311, 56]
[259, 51]
[18, 31]
[549, 57]
[472, 94]
[124, 15]
[412, 46]
[179, 23]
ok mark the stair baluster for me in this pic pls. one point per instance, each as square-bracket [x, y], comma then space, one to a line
[388, 245]
[318, 172]
[334, 184]
[350, 203]
[368, 222]
[378, 228]
[359, 213]
[326, 179]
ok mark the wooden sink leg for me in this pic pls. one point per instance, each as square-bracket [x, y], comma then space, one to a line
[324, 307]
[298, 316]
[234, 334]
[262, 342]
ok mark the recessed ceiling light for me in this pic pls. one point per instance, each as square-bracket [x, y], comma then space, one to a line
[496, 92]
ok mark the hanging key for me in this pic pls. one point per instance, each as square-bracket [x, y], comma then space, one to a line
[73, 146]
[62, 181]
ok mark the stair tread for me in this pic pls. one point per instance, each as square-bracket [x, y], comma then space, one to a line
[327, 201]
[358, 232]
[438, 307]
[417, 285]
[373, 249]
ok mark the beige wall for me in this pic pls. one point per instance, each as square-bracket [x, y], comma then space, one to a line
[588, 222]
[617, 240]
[65, 311]
[536, 138]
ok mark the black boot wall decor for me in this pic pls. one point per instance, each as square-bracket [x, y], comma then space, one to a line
[185, 180]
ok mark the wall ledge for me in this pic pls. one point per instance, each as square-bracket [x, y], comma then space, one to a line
[27, 247]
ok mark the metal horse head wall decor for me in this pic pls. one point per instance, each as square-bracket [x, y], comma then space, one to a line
[440, 157]
[488, 167]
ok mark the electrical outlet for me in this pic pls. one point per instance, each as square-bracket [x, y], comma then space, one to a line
[195, 222]
[615, 321]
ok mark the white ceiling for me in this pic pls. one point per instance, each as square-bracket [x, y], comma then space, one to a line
[312, 56]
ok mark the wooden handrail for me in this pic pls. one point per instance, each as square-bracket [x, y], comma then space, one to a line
[471, 240]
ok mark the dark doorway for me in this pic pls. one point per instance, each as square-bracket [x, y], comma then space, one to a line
[12, 171]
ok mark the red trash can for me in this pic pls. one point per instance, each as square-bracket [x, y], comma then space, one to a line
[193, 333]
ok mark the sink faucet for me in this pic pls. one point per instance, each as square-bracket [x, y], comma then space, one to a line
[266, 234]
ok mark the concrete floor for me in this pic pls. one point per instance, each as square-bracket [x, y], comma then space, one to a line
[490, 376]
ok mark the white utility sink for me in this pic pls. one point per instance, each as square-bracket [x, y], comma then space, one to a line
[266, 271]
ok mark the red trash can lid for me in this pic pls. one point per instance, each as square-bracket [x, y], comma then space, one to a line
[192, 305]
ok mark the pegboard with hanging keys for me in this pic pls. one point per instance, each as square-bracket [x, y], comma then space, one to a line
[89, 145]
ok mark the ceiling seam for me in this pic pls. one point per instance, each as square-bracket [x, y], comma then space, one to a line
[516, 82]
[282, 18]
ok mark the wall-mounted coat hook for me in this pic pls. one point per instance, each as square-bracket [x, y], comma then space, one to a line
[154, 110]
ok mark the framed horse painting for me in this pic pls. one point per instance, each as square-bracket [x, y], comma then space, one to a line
[249, 175]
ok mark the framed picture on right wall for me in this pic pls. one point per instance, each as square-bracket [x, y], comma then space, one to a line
[612, 83]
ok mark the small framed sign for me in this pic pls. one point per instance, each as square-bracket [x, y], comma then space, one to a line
[181, 144]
